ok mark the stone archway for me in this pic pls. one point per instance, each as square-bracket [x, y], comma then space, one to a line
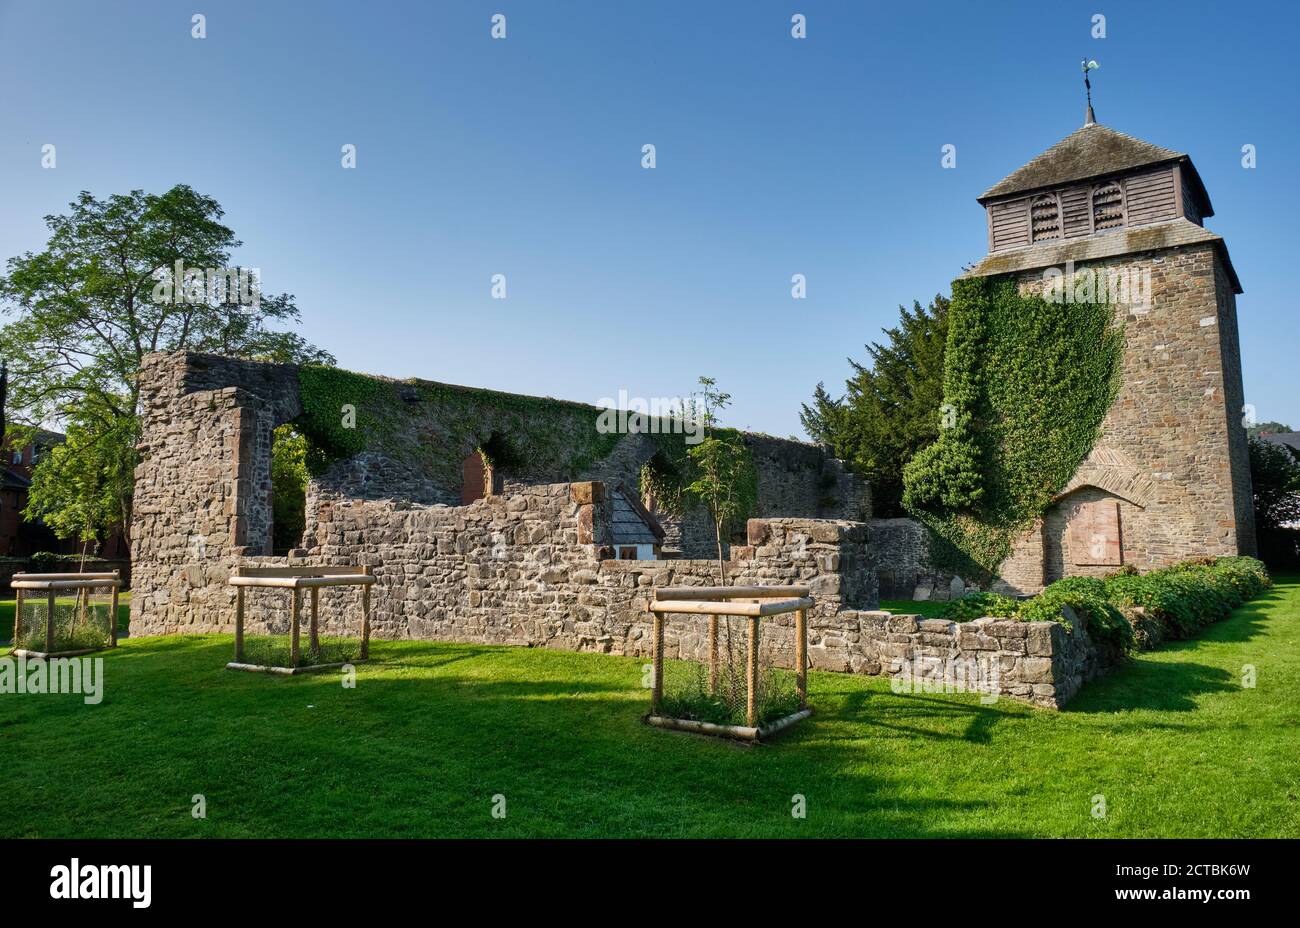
[1083, 534]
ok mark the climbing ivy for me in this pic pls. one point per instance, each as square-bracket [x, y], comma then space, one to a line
[341, 413]
[432, 426]
[1027, 383]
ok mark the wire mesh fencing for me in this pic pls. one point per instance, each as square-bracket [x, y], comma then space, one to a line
[717, 691]
[271, 644]
[81, 620]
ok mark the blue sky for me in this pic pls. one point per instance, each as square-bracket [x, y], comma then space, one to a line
[522, 156]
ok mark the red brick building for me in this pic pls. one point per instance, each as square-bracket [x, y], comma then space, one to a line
[19, 537]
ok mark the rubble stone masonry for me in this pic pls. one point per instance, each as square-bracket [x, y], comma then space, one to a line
[1172, 451]
[531, 566]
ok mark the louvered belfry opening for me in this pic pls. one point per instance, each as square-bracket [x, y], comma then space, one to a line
[1045, 217]
[1095, 181]
[1107, 206]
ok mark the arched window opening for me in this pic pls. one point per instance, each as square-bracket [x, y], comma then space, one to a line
[1045, 217]
[1107, 206]
[476, 477]
[484, 469]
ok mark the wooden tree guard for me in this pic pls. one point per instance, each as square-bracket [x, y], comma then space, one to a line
[52, 584]
[296, 580]
[752, 602]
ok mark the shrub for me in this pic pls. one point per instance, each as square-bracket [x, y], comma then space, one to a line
[1188, 596]
[977, 605]
[1175, 601]
[1087, 596]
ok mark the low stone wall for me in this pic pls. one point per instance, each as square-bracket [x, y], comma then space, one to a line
[1040, 662]
[533, 569]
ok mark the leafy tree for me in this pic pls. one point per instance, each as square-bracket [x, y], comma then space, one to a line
[721, 465]
[1267, 428]
[86, 310]
[1275, 478]
[81, 488]
[288, 488]
[891, 407]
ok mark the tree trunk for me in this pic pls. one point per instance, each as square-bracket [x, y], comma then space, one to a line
[722, 564]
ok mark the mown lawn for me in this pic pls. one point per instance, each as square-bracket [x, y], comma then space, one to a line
[925, 607]
[432, 732]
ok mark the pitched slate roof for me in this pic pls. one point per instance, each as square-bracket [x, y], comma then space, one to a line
[1091, 151]
[1291, 439]
[632, 525]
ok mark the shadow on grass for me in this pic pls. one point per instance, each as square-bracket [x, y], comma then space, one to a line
[1160, 686]
[1173, 686]
[563, 738]
[925, 716]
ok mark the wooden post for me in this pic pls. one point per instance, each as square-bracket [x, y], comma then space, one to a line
[657, 655]
[713, 654]
[751, 675]
[801, 656]
[18, 617]
[293, 627]
[315, 625]
[49, 625]
[112, 616]
[239, 625]
[365, 618]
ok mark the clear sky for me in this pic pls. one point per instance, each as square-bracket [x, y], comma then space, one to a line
[522, 157]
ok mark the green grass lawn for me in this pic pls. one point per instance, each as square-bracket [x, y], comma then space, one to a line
[913, 607]
[433, 731]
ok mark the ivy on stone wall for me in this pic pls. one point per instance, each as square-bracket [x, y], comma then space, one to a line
[432, 427]
[1027, 383]
[342, 413]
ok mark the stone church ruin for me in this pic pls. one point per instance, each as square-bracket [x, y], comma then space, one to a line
[492, 518]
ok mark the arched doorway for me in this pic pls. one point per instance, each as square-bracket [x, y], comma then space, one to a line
[476, 477]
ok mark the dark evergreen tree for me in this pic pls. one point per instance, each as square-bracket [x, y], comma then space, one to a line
[891, 406]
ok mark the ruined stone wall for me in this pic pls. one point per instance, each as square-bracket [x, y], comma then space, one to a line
[901, 548]
[526, 569]
[1172, 448]
[1044, 663]
[202, 502]
[203, 496]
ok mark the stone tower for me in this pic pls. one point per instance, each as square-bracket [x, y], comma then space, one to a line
[1169, 478]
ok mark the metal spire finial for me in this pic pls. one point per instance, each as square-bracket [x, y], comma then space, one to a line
[1087, 65]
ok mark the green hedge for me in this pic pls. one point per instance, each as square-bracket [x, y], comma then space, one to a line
[1186, 597]
[1088, 598]
[1180, 600]
[978, 605]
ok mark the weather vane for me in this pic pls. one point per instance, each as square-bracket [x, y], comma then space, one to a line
[1088, 64]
